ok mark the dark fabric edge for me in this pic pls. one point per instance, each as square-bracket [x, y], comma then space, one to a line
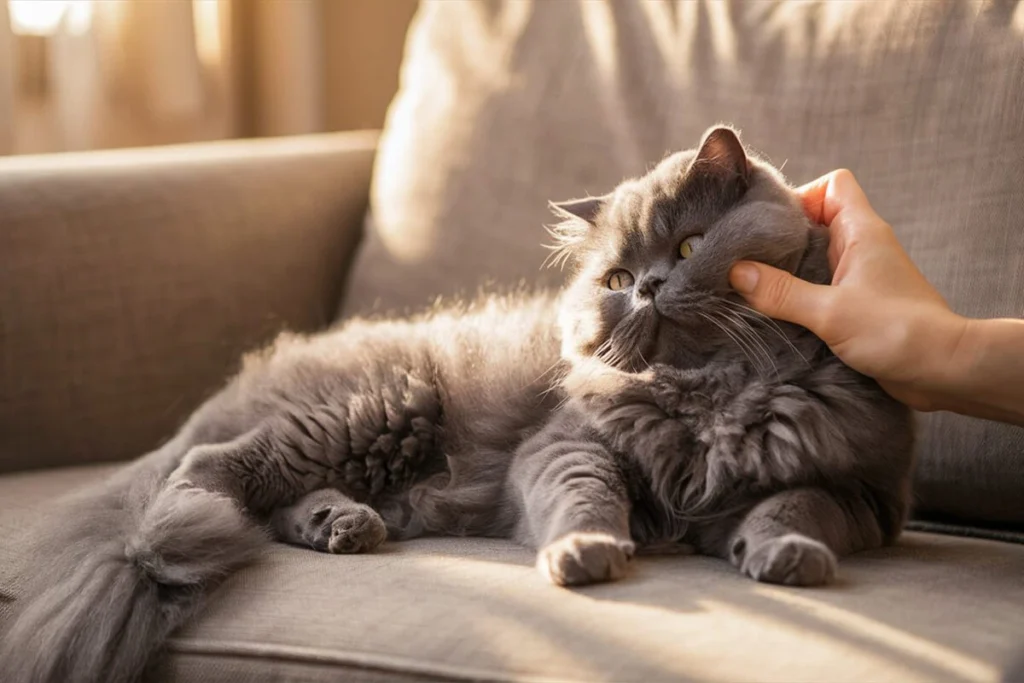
[951, 529]
[431, 671]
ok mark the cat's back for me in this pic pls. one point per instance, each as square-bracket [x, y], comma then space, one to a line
[463, 337]
[487, 364]
[507, 339]
[498, 364]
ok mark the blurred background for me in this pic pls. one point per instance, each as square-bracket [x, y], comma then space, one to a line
[92, 74]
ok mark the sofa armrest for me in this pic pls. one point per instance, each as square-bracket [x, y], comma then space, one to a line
[132, 281]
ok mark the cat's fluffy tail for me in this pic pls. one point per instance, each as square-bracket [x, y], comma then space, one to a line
[117, 577]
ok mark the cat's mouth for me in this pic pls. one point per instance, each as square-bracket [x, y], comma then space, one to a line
[694, 306]
[681, 331]
[632, 343]
[699, 323]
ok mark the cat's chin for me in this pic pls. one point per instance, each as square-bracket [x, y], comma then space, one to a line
[685, 344]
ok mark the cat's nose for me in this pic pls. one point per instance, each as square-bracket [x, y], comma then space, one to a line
[649, 286]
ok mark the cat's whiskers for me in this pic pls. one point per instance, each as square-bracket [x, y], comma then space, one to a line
[744, 317]
[758, 316]
[616, 357]
[604, 351]
[553, 384]
[735, 339]
[735, 331]
[744, 329]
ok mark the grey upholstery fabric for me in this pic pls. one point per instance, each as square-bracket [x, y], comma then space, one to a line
[932, 608]
[131, 282]
[505, 105]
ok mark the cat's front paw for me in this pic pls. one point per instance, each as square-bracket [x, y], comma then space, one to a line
[585, 557]
[792, 560]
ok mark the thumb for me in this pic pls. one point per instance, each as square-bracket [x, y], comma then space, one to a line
[779, 294]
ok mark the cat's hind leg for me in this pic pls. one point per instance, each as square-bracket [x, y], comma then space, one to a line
[270, 466]
[329, 521]
[794, 537]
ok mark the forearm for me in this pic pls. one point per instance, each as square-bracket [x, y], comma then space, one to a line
[985, 376]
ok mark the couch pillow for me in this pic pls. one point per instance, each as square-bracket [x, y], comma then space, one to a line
[504, 105]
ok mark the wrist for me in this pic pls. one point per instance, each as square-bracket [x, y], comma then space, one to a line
[984, 372]
[948, 363]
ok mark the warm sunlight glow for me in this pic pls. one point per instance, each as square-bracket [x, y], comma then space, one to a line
[79, 17]
[787, 632]
[206, 21]
[599, 25]
[866, 630]
[723, 33]
[44, 17]
[36, 17]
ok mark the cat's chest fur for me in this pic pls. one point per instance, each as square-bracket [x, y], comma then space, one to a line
[697, 442]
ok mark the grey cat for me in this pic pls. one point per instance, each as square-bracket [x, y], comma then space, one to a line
[644, 407]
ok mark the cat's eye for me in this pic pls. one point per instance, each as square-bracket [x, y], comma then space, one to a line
[620, 279]
[690, 245]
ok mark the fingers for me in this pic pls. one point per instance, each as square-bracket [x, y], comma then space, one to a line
[812, 196]
[828, 196]
[838, 201]
[780, 295]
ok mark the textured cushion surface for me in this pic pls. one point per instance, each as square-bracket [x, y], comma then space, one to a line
[505, 105]
[132, 281]
[931, 608]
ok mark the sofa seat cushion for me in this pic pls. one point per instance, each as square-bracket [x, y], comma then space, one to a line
[932, 608]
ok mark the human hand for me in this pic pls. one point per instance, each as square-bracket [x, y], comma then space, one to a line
[880, 315]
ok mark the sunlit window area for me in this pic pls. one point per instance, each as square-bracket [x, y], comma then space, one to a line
[93, 74]
[44, 17]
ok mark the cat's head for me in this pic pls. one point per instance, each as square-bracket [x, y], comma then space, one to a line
[651, 259]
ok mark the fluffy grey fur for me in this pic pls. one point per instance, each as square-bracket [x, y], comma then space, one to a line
[645, 406]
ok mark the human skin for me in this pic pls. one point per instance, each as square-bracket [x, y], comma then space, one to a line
[883, 318]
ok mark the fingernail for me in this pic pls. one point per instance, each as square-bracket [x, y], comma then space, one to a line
[744, 277]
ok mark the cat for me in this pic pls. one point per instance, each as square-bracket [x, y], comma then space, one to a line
[642, 408]
[761, 448]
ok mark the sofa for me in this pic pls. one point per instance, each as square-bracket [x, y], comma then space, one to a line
[132, 281]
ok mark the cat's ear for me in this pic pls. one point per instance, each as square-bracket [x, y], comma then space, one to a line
[586, 209]
[721, 157]
[576, 217]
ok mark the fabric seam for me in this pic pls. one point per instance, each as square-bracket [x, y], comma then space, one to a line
[362, 660]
